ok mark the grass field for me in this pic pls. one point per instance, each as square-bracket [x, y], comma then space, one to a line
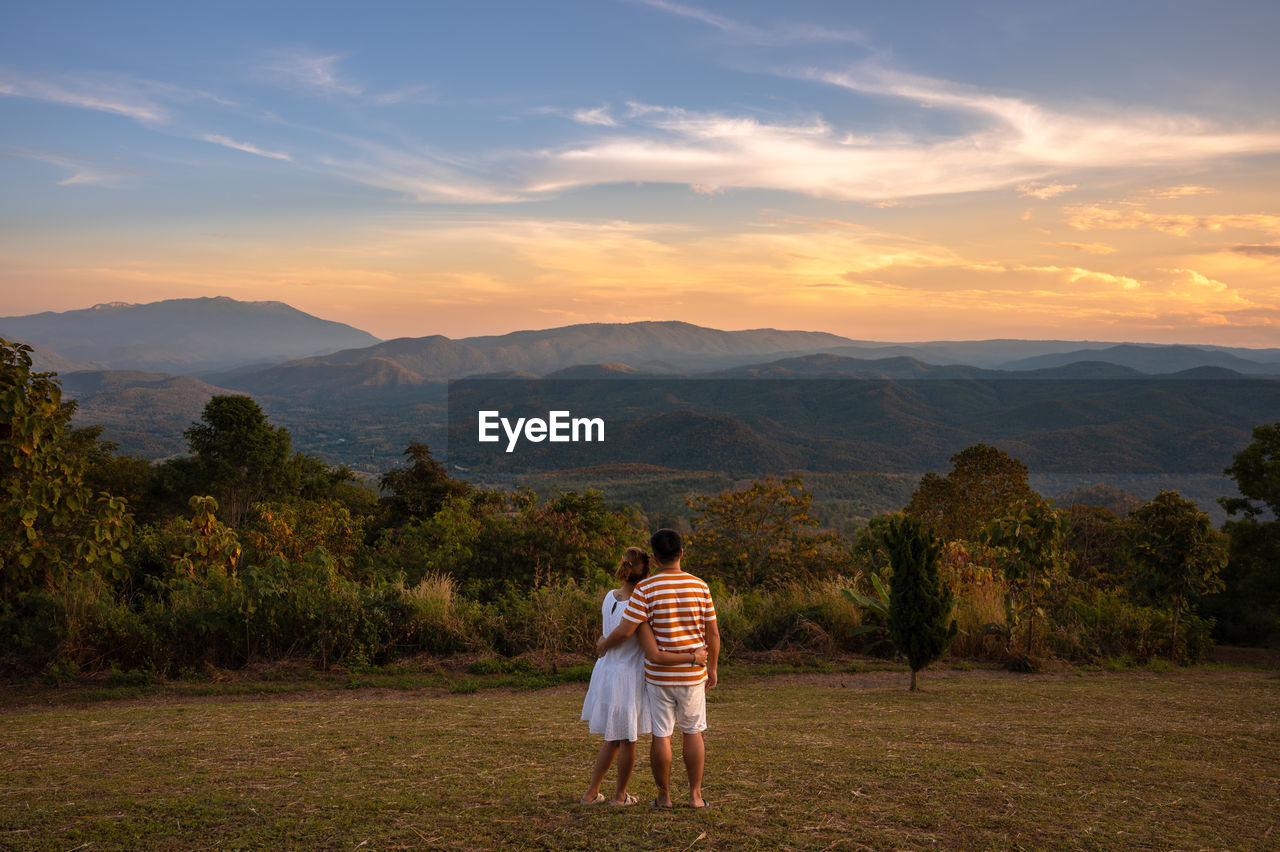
[980, 760]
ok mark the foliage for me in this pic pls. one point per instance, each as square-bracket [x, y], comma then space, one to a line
[419, 490]
[1256, 470]
[1117, 501]
[920, 605]
[984, 484]
[51, 522]
[1028, 547]
[810, 615]
[1179, 555]
[1093, 545]
[204, 545]
[875, 606]
[1248, 607]
[1095, 625]
[761, 534]
[237, 455]
[490, 542]
[291, 530]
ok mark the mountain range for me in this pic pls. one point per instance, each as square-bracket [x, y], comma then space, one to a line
[145, 372]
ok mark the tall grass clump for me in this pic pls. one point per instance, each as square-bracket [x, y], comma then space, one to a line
[560, 617]
[439, 620]
[809, 614]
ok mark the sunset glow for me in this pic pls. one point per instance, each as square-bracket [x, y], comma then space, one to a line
[904, 172]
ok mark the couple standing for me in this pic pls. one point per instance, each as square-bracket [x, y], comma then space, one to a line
[658, 657]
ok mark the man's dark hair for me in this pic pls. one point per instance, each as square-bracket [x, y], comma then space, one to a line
[667, 546]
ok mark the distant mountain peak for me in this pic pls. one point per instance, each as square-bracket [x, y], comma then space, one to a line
[201, 334]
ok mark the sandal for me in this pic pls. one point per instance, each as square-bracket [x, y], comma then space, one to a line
[596, 801]
[629, 800]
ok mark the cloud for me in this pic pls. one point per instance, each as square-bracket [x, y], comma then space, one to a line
[1198, 281]
[422, 94]
[1034, 134]
[1091, 217]
[1016, 143]
[84, 171]
[1044, 191]
[599, 116]
[1268, 250]
[118, 97]
[418, 175]
[1089, 248]
[308, 70]
[1180, 191]
[244, 146]
[776, 34]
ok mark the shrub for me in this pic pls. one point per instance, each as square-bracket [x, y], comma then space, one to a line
[1097, 626]
[439, 620]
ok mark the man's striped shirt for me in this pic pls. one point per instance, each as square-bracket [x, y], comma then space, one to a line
[677, 606]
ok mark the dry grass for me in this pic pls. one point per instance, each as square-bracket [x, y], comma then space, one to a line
[980, 760]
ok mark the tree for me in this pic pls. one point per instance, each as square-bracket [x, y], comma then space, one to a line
[419, 489]
[761, 533]
[1178, 553]
[1256, 470]
[1029, 542]
[983, 485]
[1248, 608]
[919, 604]
[51, 522]
[239, 457]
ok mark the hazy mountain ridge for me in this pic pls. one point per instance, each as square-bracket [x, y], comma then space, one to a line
[1154, 359]
[145, 413]
[184, 335]
[45, 360]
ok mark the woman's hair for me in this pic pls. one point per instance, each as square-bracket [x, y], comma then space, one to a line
[634, 566]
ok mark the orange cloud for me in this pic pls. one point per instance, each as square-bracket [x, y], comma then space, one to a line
[1088, 218]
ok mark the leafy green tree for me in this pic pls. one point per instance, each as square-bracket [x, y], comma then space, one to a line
[764, 533]
[1029, 546]
[919, 604]
[1256, 470]
[419, 489]
[51, 521]
[1248, 608]
[985, 483]
[238, 456]
[1178, 553]
[1093, 545]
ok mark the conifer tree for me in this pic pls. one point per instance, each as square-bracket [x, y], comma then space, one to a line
[919, 603]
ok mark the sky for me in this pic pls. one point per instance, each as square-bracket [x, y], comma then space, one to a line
[884, 171]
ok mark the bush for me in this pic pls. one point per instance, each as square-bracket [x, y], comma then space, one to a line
[438, 620]
[559, 617]
[1104, 626]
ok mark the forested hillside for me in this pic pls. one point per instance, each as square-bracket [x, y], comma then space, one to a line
[244, 550]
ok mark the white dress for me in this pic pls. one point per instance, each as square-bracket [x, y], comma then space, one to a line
[616, 705]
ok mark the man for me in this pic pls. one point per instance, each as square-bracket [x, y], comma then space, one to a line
[679, 609]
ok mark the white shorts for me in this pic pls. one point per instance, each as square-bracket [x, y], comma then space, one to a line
[685, 706]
